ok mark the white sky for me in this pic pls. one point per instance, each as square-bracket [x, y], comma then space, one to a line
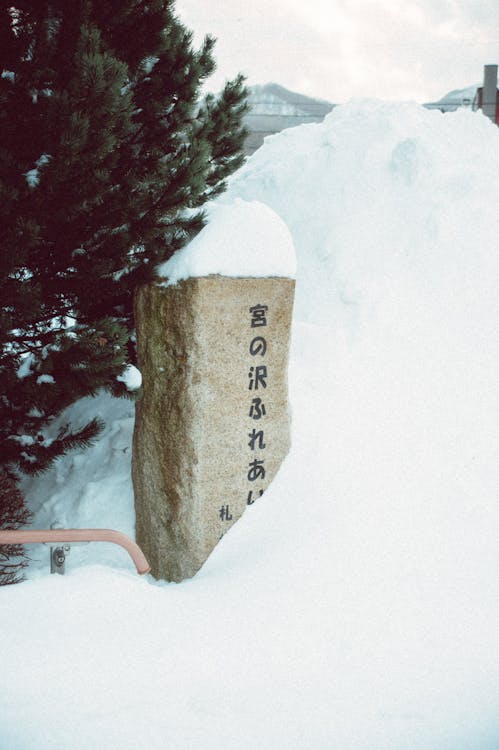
[338, 49]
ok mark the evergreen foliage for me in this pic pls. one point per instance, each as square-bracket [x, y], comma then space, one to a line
[13, 514]
[107, 155]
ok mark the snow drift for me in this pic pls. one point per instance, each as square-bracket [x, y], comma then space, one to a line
[356, 605]
[377, 190]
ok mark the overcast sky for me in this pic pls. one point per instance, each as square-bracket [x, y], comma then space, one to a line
[338, 49]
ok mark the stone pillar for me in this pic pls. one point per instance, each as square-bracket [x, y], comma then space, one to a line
[213, 425]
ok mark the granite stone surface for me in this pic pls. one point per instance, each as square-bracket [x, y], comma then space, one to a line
[213, 424]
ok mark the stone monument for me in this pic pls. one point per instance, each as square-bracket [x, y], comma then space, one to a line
[212, 426]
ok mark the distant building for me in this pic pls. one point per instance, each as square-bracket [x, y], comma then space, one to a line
[484, 97]
[274, 108]
[454, 100]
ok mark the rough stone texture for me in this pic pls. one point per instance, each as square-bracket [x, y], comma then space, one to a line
[203, 448]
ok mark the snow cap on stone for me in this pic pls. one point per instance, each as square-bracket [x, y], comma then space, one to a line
[241, 239]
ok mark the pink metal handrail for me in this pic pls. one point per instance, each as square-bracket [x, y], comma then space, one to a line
[66, 536]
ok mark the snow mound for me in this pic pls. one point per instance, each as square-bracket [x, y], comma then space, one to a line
[377, 189]
[354, 606]
[240, 239]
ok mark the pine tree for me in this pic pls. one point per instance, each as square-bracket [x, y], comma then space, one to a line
[107, 155]
[13, 514]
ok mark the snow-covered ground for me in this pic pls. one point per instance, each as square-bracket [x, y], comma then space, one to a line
[356, 605]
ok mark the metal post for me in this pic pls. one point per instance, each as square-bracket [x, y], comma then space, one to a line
[58, 559]
[489, 91]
